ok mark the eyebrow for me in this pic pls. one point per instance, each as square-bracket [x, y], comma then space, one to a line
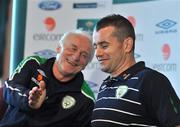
[100, 43]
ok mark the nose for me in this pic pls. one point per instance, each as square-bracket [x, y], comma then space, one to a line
[98, 52]
[76, 56]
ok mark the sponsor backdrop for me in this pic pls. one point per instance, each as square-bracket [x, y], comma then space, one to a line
[155, 23]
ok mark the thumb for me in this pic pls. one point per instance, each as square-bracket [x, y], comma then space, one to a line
[42, 85]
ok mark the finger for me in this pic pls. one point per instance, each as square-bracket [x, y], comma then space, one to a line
[34, 93]
[34, 97]
[34, 90]
[31, 102]
[42, 85]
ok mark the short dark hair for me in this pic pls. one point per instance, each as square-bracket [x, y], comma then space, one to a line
[123, 27]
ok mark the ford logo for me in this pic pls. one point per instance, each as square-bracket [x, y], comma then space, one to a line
[49, 5]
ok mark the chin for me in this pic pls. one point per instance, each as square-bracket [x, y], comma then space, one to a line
[104, 69]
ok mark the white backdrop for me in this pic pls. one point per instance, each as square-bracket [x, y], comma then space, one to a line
[155, 23]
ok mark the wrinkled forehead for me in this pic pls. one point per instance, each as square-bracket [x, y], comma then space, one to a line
[79, 40]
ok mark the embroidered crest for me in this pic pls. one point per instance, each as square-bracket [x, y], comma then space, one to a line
[121, 91]
[68, 102]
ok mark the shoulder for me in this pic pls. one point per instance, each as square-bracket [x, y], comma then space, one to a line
[37, 59]
[86, 90]
[155, 76]
[155, 83]
[28, 64]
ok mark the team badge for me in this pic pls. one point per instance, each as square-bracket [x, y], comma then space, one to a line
[68, 102]
[121, 91]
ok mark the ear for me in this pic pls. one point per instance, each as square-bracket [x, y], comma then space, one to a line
[84, 67]
[58, 49]
[128, 44]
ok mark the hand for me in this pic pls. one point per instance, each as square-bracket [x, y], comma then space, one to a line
[37, 95]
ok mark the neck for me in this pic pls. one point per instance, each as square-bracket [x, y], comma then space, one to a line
[124, 66]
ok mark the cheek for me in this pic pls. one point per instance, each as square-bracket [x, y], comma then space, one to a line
[114, 55]
[83, 63]
[108, 53]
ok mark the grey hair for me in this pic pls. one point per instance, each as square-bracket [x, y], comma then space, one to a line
[82, 33]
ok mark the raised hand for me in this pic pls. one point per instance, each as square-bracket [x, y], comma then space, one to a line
[37, 95]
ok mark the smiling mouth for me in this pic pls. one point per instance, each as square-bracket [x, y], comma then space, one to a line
[72, 63]
[102, 60]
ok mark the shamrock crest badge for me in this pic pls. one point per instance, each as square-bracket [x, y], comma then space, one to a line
[121, 91]
[68, 102]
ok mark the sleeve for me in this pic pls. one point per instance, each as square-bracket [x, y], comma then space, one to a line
[161, 100]
[84, 116]
[16, 88]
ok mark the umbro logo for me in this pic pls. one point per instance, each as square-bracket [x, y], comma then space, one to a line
[166, 24]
